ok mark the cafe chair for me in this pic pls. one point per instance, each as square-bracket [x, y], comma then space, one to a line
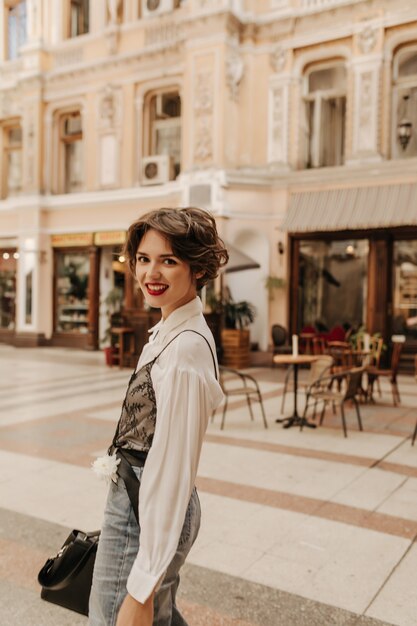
[374, 373]
[279, 341]
[317, 369]
[322, 391]
[235, 383]
[319, 345]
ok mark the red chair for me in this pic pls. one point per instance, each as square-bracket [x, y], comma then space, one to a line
[306, 339]
[337, 333]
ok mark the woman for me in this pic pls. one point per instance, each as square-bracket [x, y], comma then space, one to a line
[170, 396]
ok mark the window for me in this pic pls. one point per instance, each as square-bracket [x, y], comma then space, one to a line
[16, 27]
[78, 18]
[332, 283]
[165, 126]
[71, 153]
[12, 173]
[325, 115]
[404, 141]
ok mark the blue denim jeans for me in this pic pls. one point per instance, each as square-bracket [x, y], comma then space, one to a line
[117, 550]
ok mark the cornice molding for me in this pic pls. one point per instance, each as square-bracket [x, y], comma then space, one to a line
[68, 201]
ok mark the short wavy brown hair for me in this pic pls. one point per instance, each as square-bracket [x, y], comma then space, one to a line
[193, 236]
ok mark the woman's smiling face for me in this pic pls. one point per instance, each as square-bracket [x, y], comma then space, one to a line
[165, 280]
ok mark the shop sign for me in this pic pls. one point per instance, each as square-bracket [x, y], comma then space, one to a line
[72, 239]
[8, 243]
[110, 238]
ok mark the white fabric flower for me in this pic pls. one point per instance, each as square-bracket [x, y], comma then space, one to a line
[105, 467]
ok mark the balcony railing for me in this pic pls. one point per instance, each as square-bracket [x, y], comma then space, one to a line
[308, 6]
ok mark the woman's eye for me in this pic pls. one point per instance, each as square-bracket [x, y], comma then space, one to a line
[170, 261]
[141, 259]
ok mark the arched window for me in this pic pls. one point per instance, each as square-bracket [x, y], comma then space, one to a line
[325, 115]
[404, 132]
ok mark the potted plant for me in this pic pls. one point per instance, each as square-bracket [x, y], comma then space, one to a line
[235, 334]
[272, 284]
[113, 302]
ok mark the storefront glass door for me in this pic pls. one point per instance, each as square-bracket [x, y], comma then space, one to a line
[332, 284]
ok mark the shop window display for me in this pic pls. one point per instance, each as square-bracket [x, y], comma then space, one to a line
[72, 292]
[405, 289]
[8, 289]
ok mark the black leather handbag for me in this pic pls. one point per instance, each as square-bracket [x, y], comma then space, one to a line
[66, 578]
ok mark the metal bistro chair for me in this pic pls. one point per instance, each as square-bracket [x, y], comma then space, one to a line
[321, 391]
[280, 345]
[375, 372]
[247, 387]
[318, 368]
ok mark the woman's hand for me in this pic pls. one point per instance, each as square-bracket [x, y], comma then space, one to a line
[133, 613]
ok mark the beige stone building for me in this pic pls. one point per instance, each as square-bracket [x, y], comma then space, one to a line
[293, 121]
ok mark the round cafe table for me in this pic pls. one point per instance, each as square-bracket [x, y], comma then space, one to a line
[295, 361]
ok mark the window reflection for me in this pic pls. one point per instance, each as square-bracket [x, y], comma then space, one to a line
[332, 286]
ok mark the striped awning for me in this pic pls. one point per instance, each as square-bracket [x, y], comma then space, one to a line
[352, 208]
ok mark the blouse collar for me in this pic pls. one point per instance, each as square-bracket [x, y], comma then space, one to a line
[176, 318]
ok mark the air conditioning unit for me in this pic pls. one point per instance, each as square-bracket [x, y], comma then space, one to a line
[157, 169]
[156, 7]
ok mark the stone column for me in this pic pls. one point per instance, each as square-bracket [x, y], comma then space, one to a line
[278, 121]
[366, 70]
[93, 297]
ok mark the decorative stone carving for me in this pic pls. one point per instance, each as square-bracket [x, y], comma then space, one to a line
[163, 33]
[365, 143]
[203, 99]
[234, 73]
[366, 101]
[277, 109]
[69, 57]
[278, 122]
[367, 40]
[203, 147]
[203, 116]
[109, 107]
[277, 59]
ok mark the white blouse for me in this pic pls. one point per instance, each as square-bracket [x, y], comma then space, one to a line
[186, 391]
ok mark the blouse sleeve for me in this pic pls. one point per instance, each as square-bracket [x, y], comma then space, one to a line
[184, 404]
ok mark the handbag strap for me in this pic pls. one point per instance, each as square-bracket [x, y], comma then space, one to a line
[71, 557]
[125, 471]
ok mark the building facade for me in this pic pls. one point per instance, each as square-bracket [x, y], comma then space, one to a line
[293, 121]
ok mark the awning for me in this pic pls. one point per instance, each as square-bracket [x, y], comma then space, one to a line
[352, 209]
[239, 261]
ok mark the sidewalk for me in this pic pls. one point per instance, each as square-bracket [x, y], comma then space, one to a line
[299, 528]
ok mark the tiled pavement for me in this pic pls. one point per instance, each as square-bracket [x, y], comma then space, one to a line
[299, 528]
